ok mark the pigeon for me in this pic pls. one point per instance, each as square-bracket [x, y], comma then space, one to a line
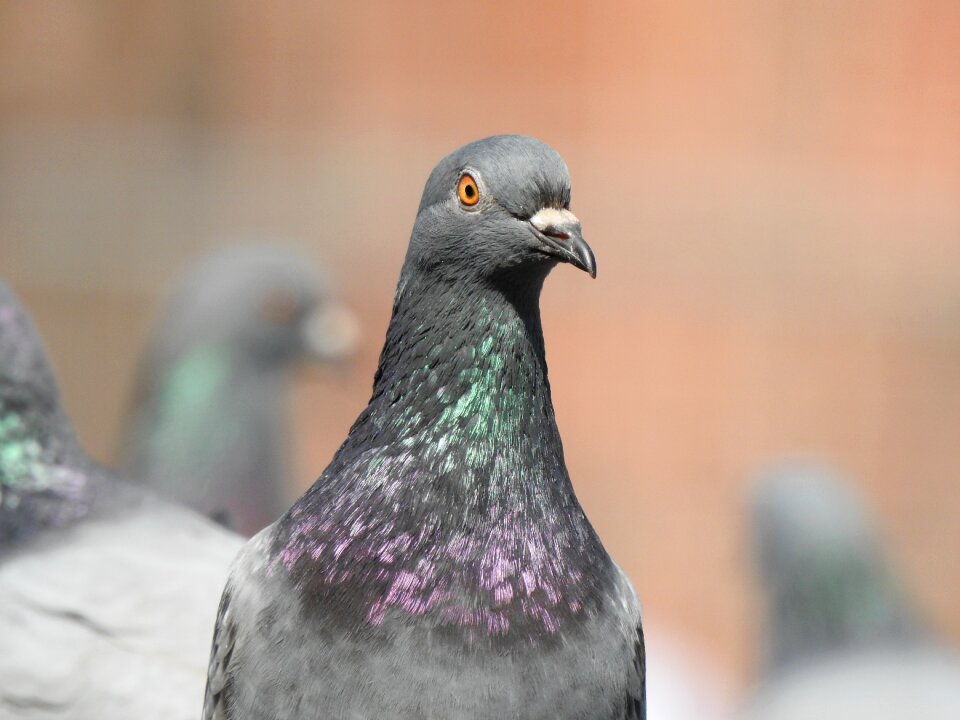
[205, 427]
[108, 594]
[842, 640]
[441, 566]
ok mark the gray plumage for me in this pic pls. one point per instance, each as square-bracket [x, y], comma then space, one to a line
[441, 566]
[107, 594]
[840, 638]
[206, 423]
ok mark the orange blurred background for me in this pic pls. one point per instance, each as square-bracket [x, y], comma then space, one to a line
[772, 189]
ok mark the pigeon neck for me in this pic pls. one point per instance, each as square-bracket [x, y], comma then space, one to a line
[463, 378]
[839, 604]
[211, 436]
[450, 497]
[43, 473]
[191, 412]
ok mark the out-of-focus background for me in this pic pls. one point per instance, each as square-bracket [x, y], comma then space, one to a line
[772, 190]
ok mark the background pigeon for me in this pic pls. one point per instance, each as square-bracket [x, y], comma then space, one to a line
[841, 639]
[107, 595]
[441, 566]
[206, 426]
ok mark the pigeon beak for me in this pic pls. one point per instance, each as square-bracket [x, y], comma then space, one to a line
[330, 332]
[560, 235]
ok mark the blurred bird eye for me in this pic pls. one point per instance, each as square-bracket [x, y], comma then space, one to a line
[279, 308]
[467, 191]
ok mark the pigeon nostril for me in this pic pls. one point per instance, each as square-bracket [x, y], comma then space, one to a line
[556, 233]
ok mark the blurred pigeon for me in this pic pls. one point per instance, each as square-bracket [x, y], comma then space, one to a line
[841, 639]
[107, 595]
[206, 424]
[441, 566]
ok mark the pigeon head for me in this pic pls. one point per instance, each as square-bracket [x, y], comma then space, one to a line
[497, 210]
[828, 586]
[259, 302]
[803, 513]
[206, 420]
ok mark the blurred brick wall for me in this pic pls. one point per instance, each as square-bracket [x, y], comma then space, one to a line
[771, 188]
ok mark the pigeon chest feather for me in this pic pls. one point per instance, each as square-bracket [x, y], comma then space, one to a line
[413, 665]
[455, 508]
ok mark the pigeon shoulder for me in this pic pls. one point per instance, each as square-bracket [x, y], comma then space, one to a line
[250, 597]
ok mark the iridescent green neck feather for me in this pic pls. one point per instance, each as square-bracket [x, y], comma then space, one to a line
[191, 429]
[462, 384]
[44, 476]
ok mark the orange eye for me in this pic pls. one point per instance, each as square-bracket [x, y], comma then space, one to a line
[467, 191]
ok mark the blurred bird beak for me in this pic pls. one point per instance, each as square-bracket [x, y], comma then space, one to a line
[330, 332]
[559, 231]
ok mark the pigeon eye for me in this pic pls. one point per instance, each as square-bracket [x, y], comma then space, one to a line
[467, 191]
[279, 308]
